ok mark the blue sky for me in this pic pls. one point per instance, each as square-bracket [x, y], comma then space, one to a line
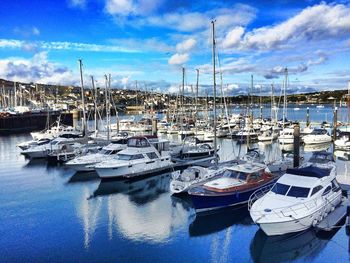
[149, 41]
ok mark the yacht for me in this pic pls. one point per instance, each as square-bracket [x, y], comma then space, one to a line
[316, 137]
[343, 143]
[143, 125]
[124, 125]
[268, 135]
[42, 150]
[87, 162]
[192, 149]
[286, 136]
[53, 132]
[26, 145]
[232, 186]
[245, 134]
[143, 155]
[300, 199]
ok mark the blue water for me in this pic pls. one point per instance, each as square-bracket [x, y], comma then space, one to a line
[50, 214]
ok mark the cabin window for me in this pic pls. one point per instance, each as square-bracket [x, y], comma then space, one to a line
[255, 176]
[296, 191]
[152, 155]
[316, 189]
[327, 190]
[280, 189]
[137, 156]
[124, 157]
[242, 176]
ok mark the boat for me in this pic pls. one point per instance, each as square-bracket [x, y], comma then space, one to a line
[124, 124]
[316, 137]
[27, 144]
[87, 162]
[320, 106]
[182, 181]
[231, 187]
[307, 130]
[300, 199]
[286, 136]
[144, 155]
[192, 148]
[268, 135]
[343, 143]
[53, 132]
[245, 134]
[41, 151]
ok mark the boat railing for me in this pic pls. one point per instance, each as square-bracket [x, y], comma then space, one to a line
[258, 194]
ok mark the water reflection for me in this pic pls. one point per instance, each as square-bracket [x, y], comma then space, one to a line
[211, 222]
[142, 210]
[83, 177]
[303, 245]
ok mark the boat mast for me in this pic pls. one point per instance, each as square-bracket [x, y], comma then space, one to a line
[196, 101]
[214, 90]
[82, 95]
[107, 105]
[14, 86]
[95, 103]
[284, 96]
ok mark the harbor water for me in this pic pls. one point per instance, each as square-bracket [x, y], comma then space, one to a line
[52, 214]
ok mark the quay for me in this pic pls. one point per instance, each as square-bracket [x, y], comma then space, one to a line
[20, 123]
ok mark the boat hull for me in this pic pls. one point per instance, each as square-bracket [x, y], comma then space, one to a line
[212, 202]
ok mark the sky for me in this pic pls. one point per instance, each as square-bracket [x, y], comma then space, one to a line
[148, 42]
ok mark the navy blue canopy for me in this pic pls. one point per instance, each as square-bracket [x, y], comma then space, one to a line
[311, 171]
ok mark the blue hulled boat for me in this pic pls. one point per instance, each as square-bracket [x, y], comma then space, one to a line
[231, 187]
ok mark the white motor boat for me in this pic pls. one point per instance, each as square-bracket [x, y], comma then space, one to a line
[181, 182]
[268, 136]
[286, 136]
[316, 137]
[307, 130]
[144, 155]
[26, 145]
[124, 125]
[41, 151]
[53, 132]
[343, 143]
[300, 199]
[87, 162]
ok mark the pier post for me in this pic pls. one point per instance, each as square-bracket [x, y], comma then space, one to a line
[335, 120]
[307, 117]
[296, 146]
[154, 126]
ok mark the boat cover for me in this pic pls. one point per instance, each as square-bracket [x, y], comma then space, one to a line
[311, 171]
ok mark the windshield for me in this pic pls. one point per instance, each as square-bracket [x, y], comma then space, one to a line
[296, 191]
[280, 189]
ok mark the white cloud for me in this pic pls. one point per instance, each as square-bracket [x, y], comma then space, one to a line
[132, 7]
[12, 43]
[36, 69]
[35, 31]
[319, 22]
[186, 45]
[233, 37]
[77, 3]
[183, 21]
[27, 31]
[178, 59]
